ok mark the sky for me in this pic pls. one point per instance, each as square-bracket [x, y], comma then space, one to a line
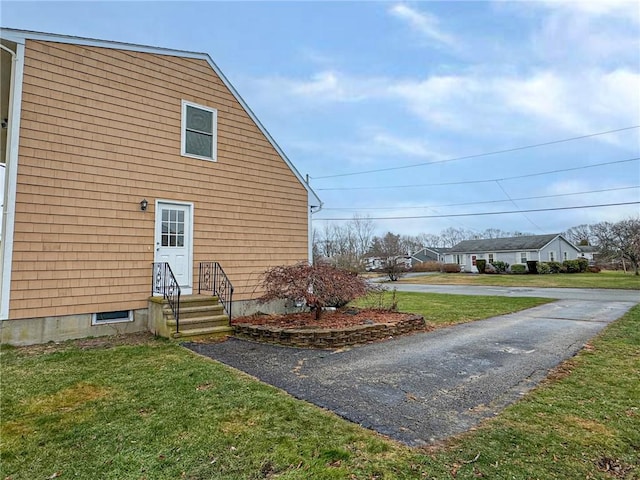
[420, 115]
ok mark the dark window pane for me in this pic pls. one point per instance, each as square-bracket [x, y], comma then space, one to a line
[165, 240]
[180, 240]
[199, 144]
[200, 120]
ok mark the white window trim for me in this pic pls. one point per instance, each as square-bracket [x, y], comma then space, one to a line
[95, 322]
[526, 257]
[183, 130]
[552, 256]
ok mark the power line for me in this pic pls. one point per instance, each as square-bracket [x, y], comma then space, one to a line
[478, 214]
[467, 182]
[478, 155]
[483, 202]
[516, 205]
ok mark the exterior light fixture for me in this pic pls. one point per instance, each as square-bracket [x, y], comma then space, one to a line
[144, 204]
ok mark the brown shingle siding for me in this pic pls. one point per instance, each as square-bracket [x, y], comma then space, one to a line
[101, 130]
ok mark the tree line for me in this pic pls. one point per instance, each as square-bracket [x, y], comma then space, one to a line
[347, 245]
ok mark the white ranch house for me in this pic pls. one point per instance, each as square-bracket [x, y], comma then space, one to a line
[543, 248]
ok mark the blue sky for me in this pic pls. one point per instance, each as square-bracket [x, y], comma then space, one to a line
[349, 87]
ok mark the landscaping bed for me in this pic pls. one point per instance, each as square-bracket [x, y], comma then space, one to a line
[333, 330]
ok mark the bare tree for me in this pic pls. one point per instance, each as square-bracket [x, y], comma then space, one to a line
[452, 236]
[389, 250]
[620, 240]
[410, 244]
[344, 245]
[495, 233]
[363, 229]
[430, 240]
[581, 235]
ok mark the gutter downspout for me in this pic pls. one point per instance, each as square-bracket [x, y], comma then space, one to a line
[11, 175]
[310, 223]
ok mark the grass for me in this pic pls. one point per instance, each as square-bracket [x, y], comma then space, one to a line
[157, 411]
[443, 309]
[604, 279]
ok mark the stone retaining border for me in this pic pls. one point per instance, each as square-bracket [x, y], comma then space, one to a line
[327, 338]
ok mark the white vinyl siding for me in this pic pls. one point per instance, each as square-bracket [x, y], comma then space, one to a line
[199, 131]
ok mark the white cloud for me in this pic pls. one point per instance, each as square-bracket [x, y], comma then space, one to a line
[424, 23]
[324, 86]
[617, 8]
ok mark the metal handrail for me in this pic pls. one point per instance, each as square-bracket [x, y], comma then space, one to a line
[165, 283]
[211, 278]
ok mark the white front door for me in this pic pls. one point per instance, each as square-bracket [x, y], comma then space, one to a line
[174, 240]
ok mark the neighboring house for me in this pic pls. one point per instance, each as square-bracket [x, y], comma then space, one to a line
[121, 155]
[429, 254]
[589, 252]
[512, 250]
[378, 263]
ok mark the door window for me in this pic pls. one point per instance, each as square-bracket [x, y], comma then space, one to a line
[172, 228]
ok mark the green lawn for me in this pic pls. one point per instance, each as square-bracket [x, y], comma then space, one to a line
[604, 279]
[442, 309]
[154, 410]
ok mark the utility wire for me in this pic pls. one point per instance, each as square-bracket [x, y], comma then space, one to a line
[478, 214]
[478, 155]
[480, 203]
[467, 182]
[517, 206]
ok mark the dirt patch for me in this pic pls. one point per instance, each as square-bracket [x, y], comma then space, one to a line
[141, 338]
[613, 467]
[329, 320]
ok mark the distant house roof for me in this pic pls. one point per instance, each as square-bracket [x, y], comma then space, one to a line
[429, 253]
[588, 249]
[510, 244]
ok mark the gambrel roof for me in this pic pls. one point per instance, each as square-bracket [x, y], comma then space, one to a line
[509, 244]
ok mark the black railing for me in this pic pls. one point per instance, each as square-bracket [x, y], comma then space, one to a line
[211, 278]
[165, 283]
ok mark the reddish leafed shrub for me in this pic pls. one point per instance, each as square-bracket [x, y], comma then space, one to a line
[319, 285]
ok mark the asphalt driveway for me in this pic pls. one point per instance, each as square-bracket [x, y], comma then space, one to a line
[422, 388]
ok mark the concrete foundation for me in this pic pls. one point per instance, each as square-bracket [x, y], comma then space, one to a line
[68, 327]
[33, 331]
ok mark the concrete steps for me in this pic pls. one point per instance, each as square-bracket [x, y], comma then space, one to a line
[201, 316]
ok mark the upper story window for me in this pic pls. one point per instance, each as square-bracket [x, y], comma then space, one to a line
[199, 131]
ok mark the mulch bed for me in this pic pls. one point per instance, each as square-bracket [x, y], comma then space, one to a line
[328, 320]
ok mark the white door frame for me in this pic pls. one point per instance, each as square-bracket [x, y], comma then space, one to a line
[185, 289]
